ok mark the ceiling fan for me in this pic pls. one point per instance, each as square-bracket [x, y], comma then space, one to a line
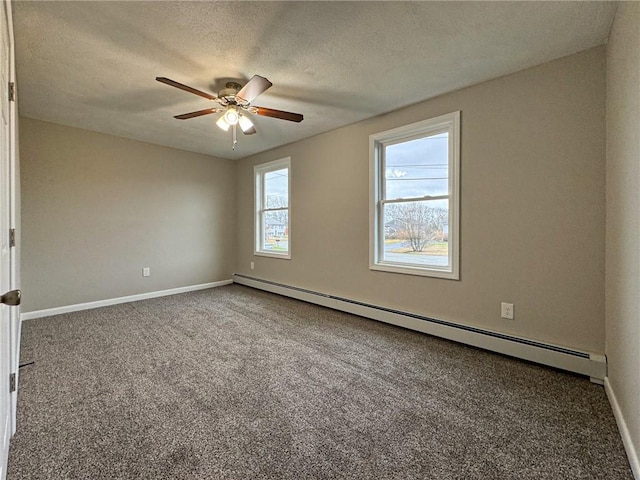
[234, 103]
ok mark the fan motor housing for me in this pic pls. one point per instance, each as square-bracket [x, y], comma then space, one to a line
[229, 93]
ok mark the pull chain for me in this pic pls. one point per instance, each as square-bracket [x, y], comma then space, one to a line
[235, 138]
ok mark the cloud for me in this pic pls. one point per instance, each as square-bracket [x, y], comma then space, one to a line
[394, 173]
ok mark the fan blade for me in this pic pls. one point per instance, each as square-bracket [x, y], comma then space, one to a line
[186, 88]
[199, 113]
[270, 112]
[253, 88]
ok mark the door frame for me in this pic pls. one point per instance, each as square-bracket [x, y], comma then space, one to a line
[14, 221]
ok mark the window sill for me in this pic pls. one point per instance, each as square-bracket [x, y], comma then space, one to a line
[420, 271]
[283, 256]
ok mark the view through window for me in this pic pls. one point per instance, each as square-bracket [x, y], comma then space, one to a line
[272, 212]
[416, 198]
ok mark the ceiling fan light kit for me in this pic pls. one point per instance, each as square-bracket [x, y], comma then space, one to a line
[246, 125]
[235, 105]
[231, 116]
[223, 124]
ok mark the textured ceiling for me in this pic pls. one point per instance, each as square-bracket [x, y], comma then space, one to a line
[92, 64]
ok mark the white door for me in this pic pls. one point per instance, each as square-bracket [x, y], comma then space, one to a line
[5, 247]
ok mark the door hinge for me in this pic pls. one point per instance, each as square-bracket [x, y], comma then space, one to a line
[12, 92]
[12, 237]
[12, 382]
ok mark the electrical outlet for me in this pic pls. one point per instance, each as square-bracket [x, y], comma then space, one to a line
[507, 311]
[252, 266]
[146, 272]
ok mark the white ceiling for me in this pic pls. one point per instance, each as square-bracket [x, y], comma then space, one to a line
[93, 64]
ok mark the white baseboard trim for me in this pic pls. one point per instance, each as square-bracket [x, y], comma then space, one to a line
[114, 301]
[630, 448]
[585, 363]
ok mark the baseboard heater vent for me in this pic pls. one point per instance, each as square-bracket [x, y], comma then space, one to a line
[585, 363]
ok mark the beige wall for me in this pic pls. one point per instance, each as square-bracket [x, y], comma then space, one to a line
[623, 218]
[98, 208]
[532, 208]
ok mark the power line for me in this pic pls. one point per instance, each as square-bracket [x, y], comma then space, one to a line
[276, 175]
[433, 165]
[417, 178]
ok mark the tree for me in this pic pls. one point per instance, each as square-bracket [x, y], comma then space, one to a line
[418, 223]
[278, 216]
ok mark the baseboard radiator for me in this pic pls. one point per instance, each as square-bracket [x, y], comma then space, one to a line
[585, 363]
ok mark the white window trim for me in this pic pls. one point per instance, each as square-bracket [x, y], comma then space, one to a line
[259, 172]
[448, 122]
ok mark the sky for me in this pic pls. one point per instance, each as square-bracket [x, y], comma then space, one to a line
[276, 183]
[417, 168]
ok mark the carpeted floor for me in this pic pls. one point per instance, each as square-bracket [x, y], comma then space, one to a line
[234, 383]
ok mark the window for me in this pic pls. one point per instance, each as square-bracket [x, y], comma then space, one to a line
[272, 186]
[415, 197]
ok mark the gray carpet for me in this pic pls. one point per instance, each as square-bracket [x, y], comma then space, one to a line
[234, 383]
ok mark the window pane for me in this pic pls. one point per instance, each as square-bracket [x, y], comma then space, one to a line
[417, 233]
[417, 168]
[276, 186]
[276, 231]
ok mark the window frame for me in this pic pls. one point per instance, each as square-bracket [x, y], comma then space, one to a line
[450, 123]
[259, 173]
